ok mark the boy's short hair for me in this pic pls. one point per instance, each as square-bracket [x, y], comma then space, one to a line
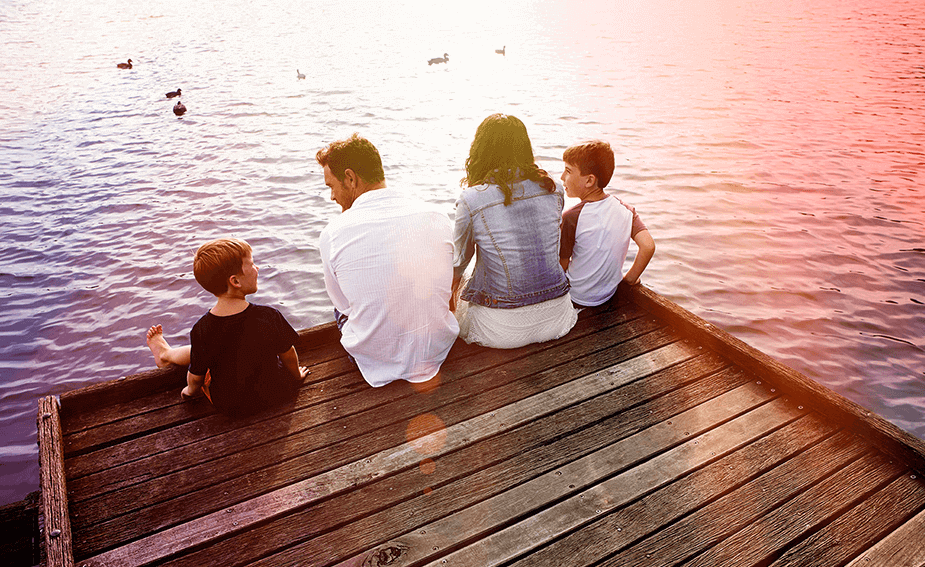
[356, 153]
[593, 157]
[218, 260]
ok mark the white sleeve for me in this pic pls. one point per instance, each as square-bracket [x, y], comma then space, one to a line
[330, 275]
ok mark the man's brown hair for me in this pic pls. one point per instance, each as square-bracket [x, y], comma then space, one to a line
[355, 153]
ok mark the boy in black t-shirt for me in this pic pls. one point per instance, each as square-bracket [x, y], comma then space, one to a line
[241, 356]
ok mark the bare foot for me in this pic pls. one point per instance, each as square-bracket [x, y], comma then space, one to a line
[158, 345]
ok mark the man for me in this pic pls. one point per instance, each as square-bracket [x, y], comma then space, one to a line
[388, 269]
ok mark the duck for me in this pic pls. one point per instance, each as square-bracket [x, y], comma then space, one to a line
[179, 109]
[173, 94]
[443, 59]
[125, 65]
[501, 51]
[299, 75]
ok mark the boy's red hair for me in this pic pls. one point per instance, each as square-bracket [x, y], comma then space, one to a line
[218, 260]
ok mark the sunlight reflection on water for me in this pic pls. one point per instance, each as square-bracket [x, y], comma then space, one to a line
[773, 149]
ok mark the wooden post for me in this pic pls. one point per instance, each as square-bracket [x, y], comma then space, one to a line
[57, 536]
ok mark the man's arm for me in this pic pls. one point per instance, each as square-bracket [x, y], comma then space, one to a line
[646, 250]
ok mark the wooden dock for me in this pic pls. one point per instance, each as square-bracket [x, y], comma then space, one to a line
[644, 437]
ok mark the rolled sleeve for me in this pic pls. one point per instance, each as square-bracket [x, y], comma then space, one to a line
[335, 294]
[463, 239]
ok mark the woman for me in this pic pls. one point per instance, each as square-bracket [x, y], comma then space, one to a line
[508, 217]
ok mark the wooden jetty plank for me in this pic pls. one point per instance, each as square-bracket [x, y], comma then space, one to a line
[208, 428]
[292, 497]
[861, 528]
[172, 413]
[578, 510]
[196, 423]
[353, 441]
[569, 479]
[760, 540]
[76, 422]
[227, 493]
[125, 389]
[232, 491]
[795, 443]
[57, 533]
[905, 546]
[879, 431]
[723, 517]
[325, 358]
[390, 507]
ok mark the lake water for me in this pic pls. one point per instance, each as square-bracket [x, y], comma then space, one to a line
[776, 151]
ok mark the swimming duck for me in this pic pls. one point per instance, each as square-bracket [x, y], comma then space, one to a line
[173, 94]
[299, 75]
[179, 109]
[125, 65]
[501, 51]
[443, 59]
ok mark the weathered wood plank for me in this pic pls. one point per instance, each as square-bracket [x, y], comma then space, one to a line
[388, 508]
[156, 402]
[614, 532]
[125, 389]
[887, 436]
[487, 392]
[121, 390]
[861, 528]
[57, 533]
[335, 385]
[803, 514]
[570, 479]
[375, 466]
[343, 440]
[176, 413]
[196, 426]
[722, 518]
[76, 422]
[544, 526]
[905, 546]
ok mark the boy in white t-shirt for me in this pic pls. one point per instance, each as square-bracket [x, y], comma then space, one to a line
[596, 232]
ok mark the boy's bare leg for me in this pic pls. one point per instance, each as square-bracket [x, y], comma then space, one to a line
[164, 354]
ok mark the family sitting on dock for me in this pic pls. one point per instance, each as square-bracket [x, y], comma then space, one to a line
[394, 269]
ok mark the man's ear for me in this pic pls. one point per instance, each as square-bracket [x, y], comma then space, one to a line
[350, 179]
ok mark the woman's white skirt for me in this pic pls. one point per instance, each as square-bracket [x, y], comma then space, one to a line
[513, 328]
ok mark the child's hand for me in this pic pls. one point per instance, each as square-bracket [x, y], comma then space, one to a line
[304, 372]
[187, 394]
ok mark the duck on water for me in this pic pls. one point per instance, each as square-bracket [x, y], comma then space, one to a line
[125, 65]
[443, 59]
[173, 94]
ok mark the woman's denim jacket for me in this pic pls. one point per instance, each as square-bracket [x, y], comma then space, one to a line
[517, 262]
